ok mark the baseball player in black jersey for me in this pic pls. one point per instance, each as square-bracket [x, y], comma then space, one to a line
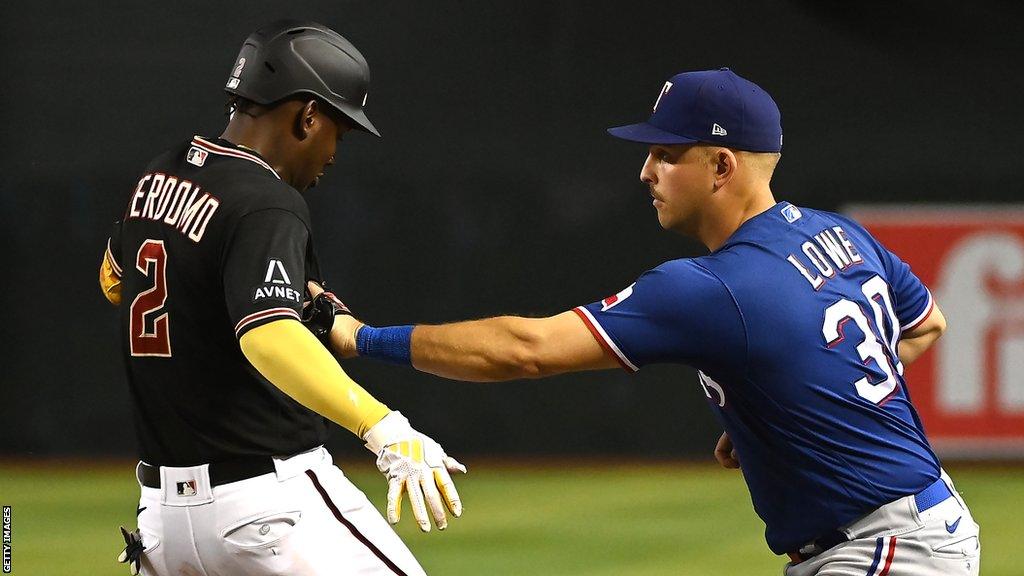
[214, 272]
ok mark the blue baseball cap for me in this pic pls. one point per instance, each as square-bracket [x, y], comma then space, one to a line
[710, 106]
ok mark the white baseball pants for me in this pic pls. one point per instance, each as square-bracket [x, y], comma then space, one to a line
[897, 540]
[306, 519]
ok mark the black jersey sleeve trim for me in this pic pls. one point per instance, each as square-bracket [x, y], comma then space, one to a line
[262, 317]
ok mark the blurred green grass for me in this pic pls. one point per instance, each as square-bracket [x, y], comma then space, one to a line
[642, 519]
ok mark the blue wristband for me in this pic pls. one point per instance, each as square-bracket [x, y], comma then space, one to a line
[392, 343]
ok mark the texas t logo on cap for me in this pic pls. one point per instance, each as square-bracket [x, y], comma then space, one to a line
[664, 90]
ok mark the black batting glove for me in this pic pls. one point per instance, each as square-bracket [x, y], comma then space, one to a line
[133, 549]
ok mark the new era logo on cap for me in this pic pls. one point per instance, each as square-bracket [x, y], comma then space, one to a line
[717, 130]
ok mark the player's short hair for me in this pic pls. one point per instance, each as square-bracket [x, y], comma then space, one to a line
[762, 161]
[243, 105]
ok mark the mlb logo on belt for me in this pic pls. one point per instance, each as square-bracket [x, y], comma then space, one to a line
[187, 488]
[196, 156]
[968, 388]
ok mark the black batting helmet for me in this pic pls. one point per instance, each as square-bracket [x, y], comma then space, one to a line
[289, 57]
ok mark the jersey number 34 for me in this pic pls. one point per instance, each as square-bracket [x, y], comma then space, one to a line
[876, 345]
[151, 261]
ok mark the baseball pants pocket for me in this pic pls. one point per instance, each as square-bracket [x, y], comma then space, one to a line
[959, 553]
[263, 530]
[264, 545]
[958, 547]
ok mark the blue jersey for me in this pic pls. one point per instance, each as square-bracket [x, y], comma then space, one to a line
[793, 325]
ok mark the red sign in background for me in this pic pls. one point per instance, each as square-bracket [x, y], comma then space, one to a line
[969, 388]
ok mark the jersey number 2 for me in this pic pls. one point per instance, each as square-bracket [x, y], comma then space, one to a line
[876, 344]
[152, 262]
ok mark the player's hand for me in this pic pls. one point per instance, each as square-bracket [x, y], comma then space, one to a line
[342, 338]
[415, 465]
[133, 549]
[725, 453]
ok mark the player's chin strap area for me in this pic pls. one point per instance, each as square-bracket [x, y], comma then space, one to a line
[936, 493]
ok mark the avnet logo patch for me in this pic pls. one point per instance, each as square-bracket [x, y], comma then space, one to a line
[276, 293]
[276, 285]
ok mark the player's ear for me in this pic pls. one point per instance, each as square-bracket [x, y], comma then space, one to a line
[724, 164]
[306, 120]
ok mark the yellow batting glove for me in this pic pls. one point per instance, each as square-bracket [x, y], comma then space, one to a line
[416, 465]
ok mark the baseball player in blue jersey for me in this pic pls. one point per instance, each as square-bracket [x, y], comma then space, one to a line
[799, 323]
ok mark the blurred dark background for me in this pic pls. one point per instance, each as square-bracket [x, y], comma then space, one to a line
[494, 189]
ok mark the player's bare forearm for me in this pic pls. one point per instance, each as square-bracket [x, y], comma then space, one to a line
[914, 343]
[507, 348]
[501, 348]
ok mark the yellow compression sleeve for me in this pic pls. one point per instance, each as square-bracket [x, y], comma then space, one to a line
[288, 355]
[110, 280]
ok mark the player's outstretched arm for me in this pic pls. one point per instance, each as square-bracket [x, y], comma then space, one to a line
[290, 357]
[915, 341]
[508, 347]
[492, 349]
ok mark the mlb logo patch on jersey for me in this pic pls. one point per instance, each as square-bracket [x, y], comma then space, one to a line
[791, 213]
[196, 156]
[613, 301]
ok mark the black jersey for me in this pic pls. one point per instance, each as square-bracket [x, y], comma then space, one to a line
[212, 244]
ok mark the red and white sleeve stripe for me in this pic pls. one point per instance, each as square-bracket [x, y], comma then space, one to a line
[603, 338]
[113, 262]
[917, 321]
[278, 313]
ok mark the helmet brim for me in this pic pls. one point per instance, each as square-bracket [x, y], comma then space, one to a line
[361, 122]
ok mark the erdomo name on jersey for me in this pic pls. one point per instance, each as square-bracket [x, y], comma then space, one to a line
[176, 201]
